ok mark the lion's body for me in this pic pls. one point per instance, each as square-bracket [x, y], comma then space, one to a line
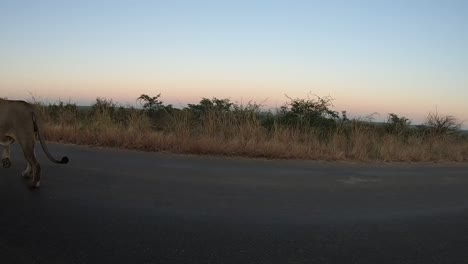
[18, 124]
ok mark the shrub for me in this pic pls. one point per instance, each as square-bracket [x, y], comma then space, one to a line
[103, 106]
[150, 104]
[315, 113]
[399, 126]
[206, 105]
[438, 124]
[159, 114]
[62, 113]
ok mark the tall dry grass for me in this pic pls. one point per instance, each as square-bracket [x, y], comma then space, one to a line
[231, 134]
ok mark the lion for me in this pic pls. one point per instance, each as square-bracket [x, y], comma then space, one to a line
[18, 123]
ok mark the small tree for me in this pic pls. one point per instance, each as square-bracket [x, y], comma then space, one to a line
[206, 105]
[305, 113]
[103, 106]
[150, 104]
[442, 124]
[397, 125]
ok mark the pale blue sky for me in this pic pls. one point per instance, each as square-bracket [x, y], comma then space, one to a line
[407, 57]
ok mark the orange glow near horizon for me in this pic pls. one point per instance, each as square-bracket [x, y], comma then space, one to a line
[269, 94]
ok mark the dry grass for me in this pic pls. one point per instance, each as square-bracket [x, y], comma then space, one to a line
[224, 134]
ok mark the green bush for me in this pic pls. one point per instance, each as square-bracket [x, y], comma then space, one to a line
[62, 112]
[309, 114]
[399, 126]
[210, 105]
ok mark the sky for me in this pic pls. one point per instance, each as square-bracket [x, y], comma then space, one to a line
[403, 57]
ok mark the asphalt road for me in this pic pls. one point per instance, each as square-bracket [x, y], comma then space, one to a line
[112, 206]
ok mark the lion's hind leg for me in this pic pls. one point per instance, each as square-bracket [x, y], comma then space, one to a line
[33, 168]
[27, 173]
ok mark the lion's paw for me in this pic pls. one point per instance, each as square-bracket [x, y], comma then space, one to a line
[34, 185]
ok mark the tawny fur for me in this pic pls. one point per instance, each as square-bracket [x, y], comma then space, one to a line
[19, 123]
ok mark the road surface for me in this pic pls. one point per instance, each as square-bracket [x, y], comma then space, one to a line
[114, 206]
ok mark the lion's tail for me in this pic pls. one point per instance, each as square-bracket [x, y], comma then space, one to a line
[64, 159]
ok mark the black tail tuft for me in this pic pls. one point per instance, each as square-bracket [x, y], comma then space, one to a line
[64, 160]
